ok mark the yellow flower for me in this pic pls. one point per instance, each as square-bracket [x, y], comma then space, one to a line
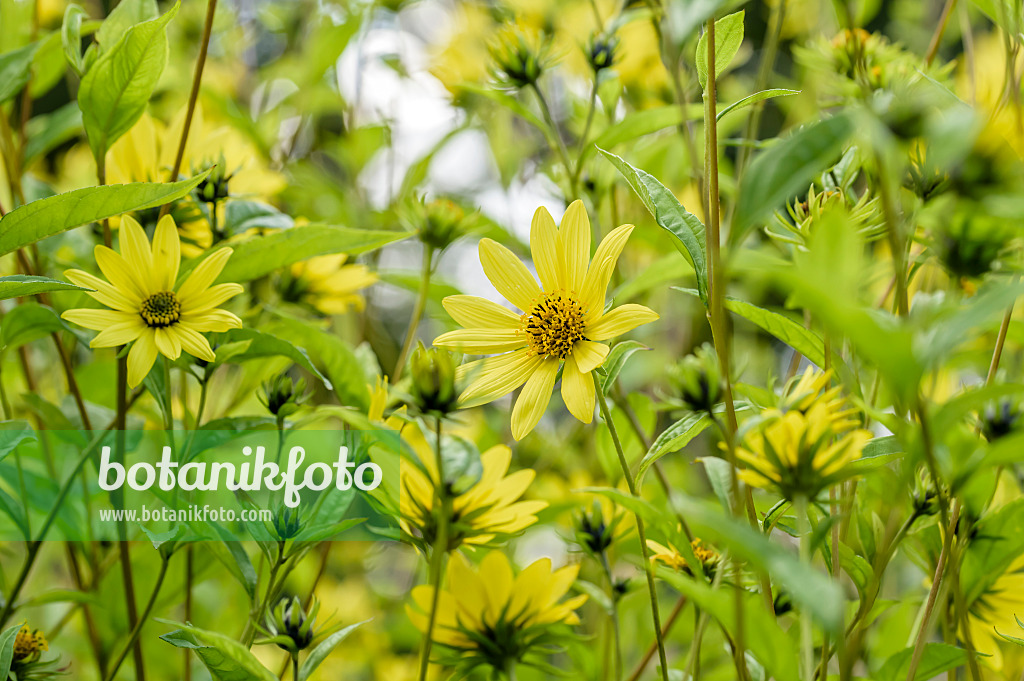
[673, 558]
[29, 645]
[489, 613]
[488, 508]
[147, 305]
[146, 153]
[326, 283]
[561, 322]
[996, 610]
[799, 453]
[378, 399]
[813, 387]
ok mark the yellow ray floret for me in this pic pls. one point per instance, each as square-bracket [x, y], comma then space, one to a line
[490, 600]
[561, 324]
[147, 307]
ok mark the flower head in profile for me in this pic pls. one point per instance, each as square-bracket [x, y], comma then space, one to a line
[490, 507]
[806, 444]
[148, 308]
[998, 610]
[29, 645]
[490, 616]
[672, 557]
[562, 322]
[327, 284]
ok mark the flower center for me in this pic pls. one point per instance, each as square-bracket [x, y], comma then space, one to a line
[160, 310]
[554, 325]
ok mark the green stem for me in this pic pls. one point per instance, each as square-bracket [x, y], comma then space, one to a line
[439, 552]
[35, 545]
[249, 635]
[133, 638]
[559, 144]
[616, 634]
[417, 313]
[806, 631]
[642, 534]
[578, 169]
[940, 571]
[295, 666]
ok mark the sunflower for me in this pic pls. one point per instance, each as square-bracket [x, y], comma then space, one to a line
[148, 307]
[673, 557]
[802, 451]
[561, 321]
[327, 284]
[490, 507]
[490, 616]
[29, 644]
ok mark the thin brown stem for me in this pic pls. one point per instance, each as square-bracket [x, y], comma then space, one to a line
[193, 97]
[933, 46]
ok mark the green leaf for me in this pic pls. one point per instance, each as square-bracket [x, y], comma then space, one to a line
[786, 168]
[20, 285]
[259, 256]
[674, 438]
[237, 560]
[55, 214]
[15, 69]
[333, 355]
[765, 638]
[617, 359]
[26, 323]
[241, 216]
[728, 37]
[71, 37]
[936, 659]
[809, 588]
[636, 124]
[116, 89]
[686, 230]
[320, 653]
[49, 131]
[12, 434]
[683, 18]
[7, 649]
[226, 658]
[123, 17]
[754, 99]
[240, 345]
[16, 512]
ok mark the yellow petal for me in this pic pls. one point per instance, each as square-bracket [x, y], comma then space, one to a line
[120, 333]
[473, 311]
[595, 286]
[495, 376]
[98, 320]
[193, 343]
[119, 273]
[103, 292]
[167, 343]
[141, 358]
[499, 578]
[203, 275]
[578, 391]
[589, 355]
[211, 297]
[619, 320]
[544, 248]
[481, 341]
[508, 274]
[574, 242]
[166, 253]
[135, 250]
[210, 320]
[533, 400]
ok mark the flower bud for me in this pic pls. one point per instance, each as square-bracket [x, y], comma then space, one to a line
[1000, 420]
[438, 222]
[282, 397]
[699, 379]
[290, 627]
[518, 61]
[601, 51]
[592, 532]
[433, 381]
[214, 187]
